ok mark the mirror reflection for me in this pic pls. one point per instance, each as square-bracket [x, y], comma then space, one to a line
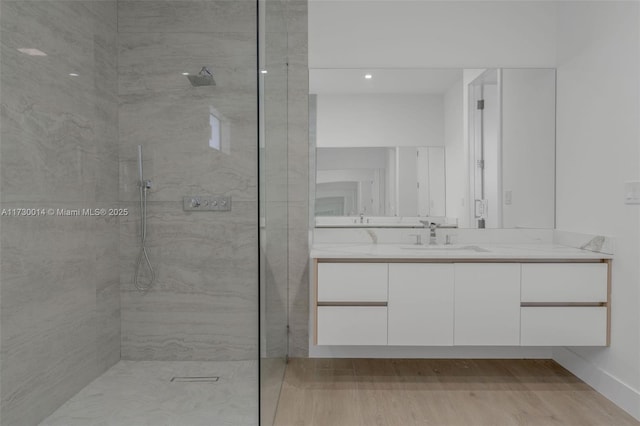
[472, 148]
[378, 181]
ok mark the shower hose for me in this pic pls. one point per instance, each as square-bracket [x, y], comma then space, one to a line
[143, 256]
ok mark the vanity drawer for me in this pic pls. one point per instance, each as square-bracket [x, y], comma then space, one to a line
[352, 325]
[564, 282]
[563, 326]
[352, 282]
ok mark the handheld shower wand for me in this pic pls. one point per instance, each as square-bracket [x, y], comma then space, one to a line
[143, 256]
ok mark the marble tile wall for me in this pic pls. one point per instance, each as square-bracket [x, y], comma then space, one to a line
[59, 288]
[204, 303]
[296, 12]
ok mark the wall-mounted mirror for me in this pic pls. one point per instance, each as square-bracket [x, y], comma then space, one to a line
[469, 147]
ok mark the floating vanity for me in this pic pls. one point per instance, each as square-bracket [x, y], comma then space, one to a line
[466, 295]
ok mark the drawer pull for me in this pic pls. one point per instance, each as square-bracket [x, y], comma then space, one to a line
[561, 304]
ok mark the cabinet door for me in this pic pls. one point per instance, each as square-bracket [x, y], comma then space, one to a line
[564, 326]
[487, 304]
[420, 304]
[564, 282]
[352, 325]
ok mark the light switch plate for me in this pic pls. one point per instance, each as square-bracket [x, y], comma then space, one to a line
[210, 203]
[632, 192]
[507, 197]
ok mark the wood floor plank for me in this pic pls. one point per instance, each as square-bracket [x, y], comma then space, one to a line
[438, 392]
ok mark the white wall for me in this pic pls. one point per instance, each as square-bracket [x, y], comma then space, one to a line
[437, 182]
[349, 175]
[379, 120]
[351, 158]
[407, 178]
[597, 150]
[391, 189]
[528, 148]
[456, 155]
[446, 34]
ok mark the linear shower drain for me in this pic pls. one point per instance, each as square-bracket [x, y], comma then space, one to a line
[196, 379]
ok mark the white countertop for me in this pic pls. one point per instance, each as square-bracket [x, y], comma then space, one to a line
[458, 251]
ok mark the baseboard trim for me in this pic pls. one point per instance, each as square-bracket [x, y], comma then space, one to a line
[618, 392]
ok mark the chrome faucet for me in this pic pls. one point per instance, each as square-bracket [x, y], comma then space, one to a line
[361, 217]
[432, 227]
[432, 233]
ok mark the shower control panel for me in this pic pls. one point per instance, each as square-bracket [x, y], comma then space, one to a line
[213, 203]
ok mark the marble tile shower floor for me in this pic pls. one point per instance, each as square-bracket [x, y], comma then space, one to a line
[140, 393]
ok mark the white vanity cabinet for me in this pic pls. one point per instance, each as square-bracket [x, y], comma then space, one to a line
[487, 304]
[565, 304]
[459, 302]
[351, 306]
[420, 304]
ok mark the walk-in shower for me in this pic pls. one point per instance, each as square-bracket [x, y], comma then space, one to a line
[143, 260]
[101, 310]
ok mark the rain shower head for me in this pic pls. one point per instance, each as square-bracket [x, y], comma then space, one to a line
[203, 78]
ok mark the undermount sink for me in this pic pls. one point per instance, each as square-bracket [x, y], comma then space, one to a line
[476, 249]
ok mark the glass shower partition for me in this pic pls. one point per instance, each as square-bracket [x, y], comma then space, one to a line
[82, 85]
[273, 178]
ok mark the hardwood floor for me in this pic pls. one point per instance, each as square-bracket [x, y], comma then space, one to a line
[404, 392]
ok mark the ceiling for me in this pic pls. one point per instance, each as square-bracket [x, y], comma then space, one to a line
[352, 81]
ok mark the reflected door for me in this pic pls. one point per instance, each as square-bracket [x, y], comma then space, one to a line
[485, 148]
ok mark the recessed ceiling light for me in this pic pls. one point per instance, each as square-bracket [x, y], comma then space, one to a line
[368, 76]
[73, 74]
[263, 71]
[31, 52]
[185, 73]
